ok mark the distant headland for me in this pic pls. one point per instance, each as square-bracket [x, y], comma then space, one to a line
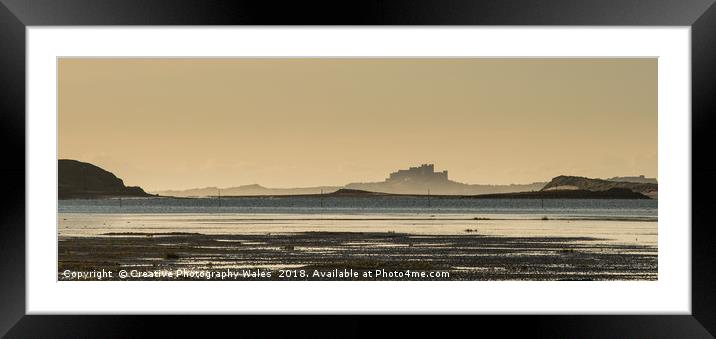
[81, 180]
[415, 180]
[612, 193]
[564, 182]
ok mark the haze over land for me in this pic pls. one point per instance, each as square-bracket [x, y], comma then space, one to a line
[415, 180]
[184, 123]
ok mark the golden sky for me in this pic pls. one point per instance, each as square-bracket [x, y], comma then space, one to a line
[183, 123]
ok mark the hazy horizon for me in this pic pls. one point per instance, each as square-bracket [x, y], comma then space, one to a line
[175, 124]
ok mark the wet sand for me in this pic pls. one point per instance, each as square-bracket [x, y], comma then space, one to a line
[468, 256]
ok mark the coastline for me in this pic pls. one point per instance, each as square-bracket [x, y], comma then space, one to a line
[315, 239]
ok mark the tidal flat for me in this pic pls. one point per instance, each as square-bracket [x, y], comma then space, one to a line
[468, 256]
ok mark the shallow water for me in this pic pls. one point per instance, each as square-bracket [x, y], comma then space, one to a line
[621, 221]
[618, 231]
[370, 205]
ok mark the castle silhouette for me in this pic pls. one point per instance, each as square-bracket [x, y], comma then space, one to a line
[424, 172]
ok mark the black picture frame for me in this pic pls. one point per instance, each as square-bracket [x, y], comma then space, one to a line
[16, 15]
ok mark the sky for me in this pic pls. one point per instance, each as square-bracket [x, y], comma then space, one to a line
[297, 122]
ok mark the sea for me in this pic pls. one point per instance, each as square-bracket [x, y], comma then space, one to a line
[622, 221]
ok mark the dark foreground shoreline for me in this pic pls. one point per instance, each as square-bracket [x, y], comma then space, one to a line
[332, 255]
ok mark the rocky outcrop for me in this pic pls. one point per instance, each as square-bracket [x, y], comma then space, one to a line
[564, 182]
[639, 179]
[81, 180]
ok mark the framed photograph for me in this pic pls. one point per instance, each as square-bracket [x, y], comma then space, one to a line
[543, 164]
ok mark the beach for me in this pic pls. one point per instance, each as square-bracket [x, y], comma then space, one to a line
[345, 246]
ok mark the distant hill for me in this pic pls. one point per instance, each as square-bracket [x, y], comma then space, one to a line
[246, 190]
[345, 192]
[81, 180]
[612, 193]
[451, 188]
[564, 182]
[446, 187]
[423, 180]
[414, 180]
